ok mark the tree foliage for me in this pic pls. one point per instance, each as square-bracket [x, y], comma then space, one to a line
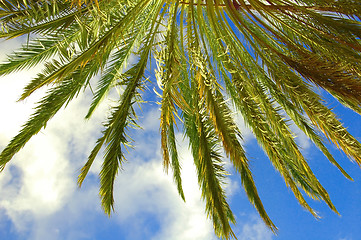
[263, 58]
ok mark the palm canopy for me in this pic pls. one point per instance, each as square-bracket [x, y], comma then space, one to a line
[266, 56]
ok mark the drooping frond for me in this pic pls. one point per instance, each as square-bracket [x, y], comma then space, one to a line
[169, 72]
[210, 171]
[263, 58]
[228, 132]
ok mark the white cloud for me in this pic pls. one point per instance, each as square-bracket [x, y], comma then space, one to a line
[255, 229]
[40, 181]
[39, 185]
[144, 188]
[301, 138]
[7, 47]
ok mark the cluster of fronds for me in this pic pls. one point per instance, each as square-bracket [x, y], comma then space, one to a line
[266, 56]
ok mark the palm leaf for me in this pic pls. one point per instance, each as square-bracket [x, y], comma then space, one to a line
[264, 57]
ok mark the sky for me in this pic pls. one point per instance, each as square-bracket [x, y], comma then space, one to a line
[39, 198]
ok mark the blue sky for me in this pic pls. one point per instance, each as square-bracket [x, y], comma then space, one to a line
[39, 198]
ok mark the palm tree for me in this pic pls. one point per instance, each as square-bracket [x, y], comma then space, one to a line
[266, 56]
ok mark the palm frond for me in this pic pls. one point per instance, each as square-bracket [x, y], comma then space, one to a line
[35, 53]
[131, 41]
[169, 68]
[210, 171]
[264, 57]
[114, 136]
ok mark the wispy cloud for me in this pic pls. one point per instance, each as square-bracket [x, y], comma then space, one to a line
[41, 180]
[301, 138]
[254, 229]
